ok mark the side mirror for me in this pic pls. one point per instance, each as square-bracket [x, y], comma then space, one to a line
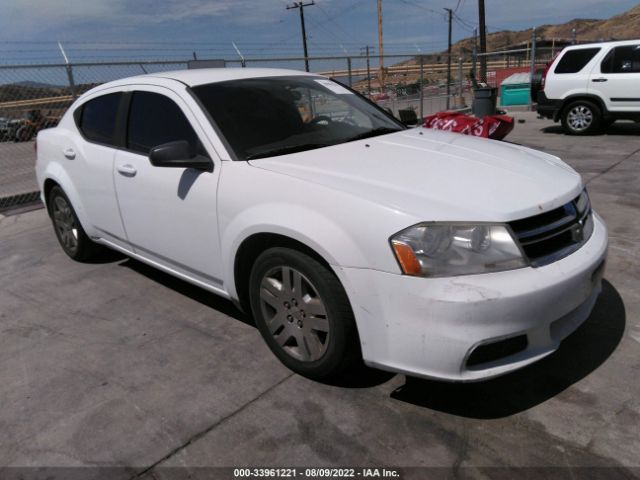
[178, 154]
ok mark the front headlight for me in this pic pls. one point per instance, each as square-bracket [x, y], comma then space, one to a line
[449, 249]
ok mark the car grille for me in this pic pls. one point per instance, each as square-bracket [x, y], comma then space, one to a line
[550, 236]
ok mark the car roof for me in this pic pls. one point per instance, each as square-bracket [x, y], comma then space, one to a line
[201, 76]
[601, 44]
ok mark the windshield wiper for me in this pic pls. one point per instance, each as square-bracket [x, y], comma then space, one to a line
[373, 133]
[286, 149]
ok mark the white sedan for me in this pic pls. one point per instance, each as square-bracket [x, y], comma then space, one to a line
[347, 236]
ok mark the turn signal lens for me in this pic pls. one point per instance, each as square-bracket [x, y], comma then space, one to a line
[407, 259]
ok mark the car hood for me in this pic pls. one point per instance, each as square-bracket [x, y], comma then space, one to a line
[438, 176]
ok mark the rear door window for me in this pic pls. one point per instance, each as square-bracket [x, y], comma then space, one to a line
[97, 119]
[622, 60]
[575, 60]
[155, 119]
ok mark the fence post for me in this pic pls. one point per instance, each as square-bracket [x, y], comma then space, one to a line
[69, 69]
[349, 69]
[72, 84]
[533, 65]
[421, 87]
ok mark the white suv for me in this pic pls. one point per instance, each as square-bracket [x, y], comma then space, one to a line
[588, 87]
[343, 233]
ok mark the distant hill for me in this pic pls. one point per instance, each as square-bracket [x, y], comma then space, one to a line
[619, 27]
[31, 84]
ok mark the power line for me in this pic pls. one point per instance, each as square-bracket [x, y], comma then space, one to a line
[408, 2]
[320, 26]
[332, 20]
[464, 23]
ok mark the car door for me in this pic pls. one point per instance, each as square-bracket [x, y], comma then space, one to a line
[169, 214]
[90, 158]
[617, 78]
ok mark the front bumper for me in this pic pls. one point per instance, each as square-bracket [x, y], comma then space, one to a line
[430, 327]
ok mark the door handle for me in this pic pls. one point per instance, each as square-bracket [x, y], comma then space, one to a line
[127, 170]
[69, 153]
[599, 79]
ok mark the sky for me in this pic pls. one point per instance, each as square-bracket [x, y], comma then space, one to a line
[109, 30]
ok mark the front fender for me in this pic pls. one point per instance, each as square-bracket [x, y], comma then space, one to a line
[315, 230]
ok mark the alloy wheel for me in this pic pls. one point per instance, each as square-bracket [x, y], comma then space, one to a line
[294, 313]
[65, 224]
[580, 118]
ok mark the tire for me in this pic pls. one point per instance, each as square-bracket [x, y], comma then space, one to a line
[24, 134]
[581, 117]
[71, 236]
[287, 312]
[536, 84]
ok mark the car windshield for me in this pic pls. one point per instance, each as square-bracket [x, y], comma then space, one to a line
[265, 117]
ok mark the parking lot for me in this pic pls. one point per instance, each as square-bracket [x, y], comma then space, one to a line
[116, 364]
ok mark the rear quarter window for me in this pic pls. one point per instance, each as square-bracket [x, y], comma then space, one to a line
[97, 118]
[624, 59]
[575, 60]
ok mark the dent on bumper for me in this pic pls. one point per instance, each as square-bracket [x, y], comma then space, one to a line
[428, 327]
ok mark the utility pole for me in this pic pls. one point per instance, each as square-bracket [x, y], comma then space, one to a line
[573, 36]
[474, 55]
[421, 87]
[301, 6]
[483, 41]
[450, 12]
[380, 47]
[366, 49]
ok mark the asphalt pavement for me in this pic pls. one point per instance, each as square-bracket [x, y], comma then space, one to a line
[117, 365]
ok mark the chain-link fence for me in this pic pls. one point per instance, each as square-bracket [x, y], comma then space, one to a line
[516, 73]
[34, 97]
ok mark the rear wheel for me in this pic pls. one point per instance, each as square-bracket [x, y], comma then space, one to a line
[72, 237]
[303, 313]
[581, 117]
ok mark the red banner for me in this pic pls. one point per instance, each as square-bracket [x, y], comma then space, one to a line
[492, 126]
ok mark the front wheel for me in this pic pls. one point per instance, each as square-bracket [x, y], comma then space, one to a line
[581, 117]
[303, 313]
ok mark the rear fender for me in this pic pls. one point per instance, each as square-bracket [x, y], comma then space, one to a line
[53, 171]
[581, 96]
